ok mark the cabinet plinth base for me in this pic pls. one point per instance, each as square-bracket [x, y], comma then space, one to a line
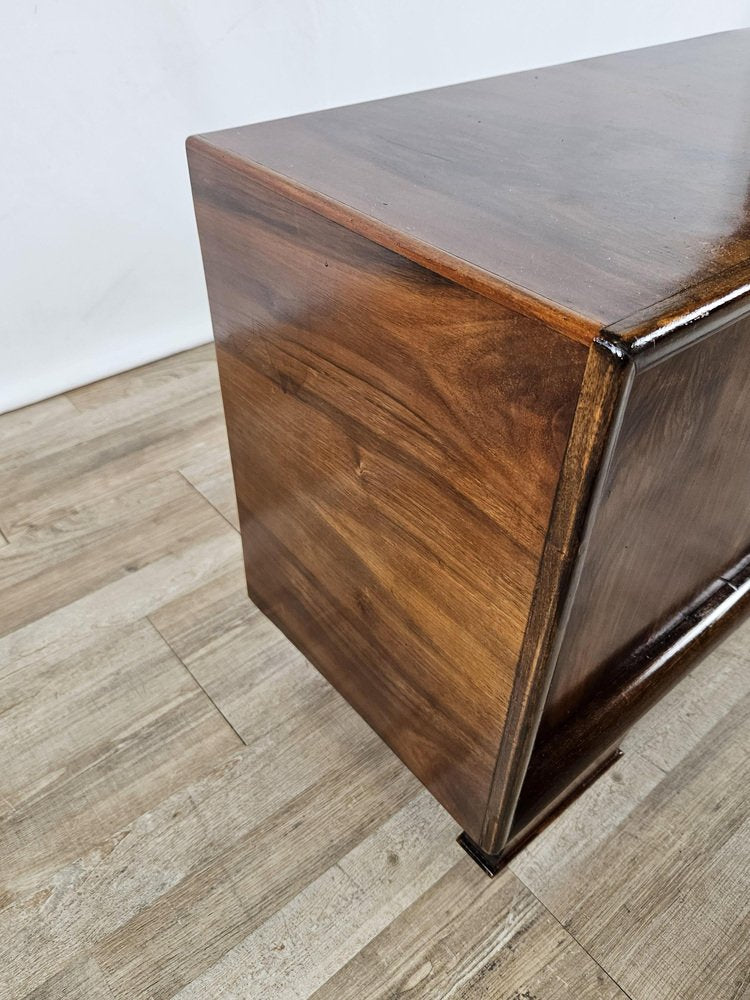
[491, 864]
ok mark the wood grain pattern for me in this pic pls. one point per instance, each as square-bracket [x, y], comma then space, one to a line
[376, 414]
[146, 852]
[216, 624]
[120, 716]
[580, 193]
[674, 517]
[92, 544]
[606, 384]
[470, 951]
[80, 981]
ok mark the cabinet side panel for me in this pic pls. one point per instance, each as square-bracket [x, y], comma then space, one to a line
[396, 442]
[675, 513]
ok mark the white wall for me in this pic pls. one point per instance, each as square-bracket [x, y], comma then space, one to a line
[99, 262]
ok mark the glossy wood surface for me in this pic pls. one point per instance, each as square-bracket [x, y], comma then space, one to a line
[675, 513]
[566, 752]
[396, 442]
[604, 388]
[584, 193]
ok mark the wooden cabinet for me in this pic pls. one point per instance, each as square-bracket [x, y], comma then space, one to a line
[485, 360]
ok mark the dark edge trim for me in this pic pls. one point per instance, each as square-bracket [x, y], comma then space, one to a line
[604, 391]
[572, 325]
[652, 336]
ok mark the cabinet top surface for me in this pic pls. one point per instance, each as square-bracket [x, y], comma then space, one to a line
[594, 190]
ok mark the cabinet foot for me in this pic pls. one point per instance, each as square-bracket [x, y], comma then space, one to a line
[491, 864]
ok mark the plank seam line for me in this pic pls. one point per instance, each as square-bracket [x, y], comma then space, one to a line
[69, 392]
[572, 935]
[204, 497]
[195, 679]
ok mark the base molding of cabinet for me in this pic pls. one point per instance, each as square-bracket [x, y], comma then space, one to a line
[567, 760]
[491, 864]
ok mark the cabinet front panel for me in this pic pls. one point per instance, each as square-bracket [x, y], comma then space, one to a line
[675, 513]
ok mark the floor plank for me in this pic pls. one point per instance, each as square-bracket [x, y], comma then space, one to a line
[22, 423]
[243, 662]
[471, 937]
[90, 454]
[173, 873]
[47, 566]
[124, 601]
[81, 981]
[253, 857]
[690, 711]
[666, 902]
[176, 377]
[326, 924]
[650, 869]
[91, 742]
[192, 927]
[211, 474]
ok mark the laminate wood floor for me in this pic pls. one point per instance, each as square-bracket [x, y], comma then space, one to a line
[188, 810]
